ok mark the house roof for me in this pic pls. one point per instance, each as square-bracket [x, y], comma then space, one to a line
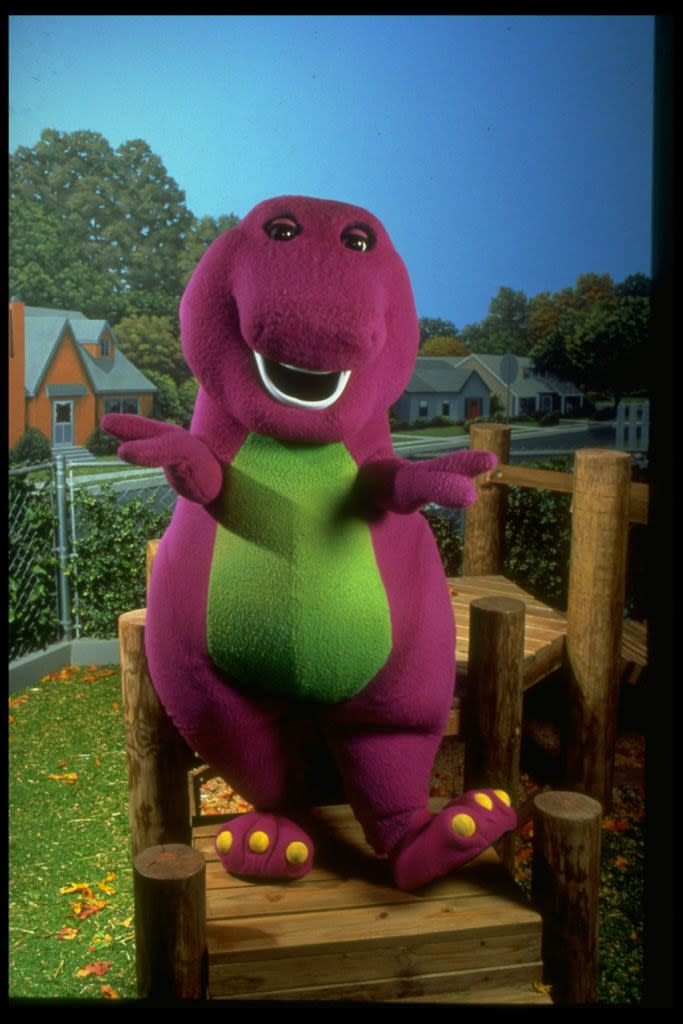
[44, 330]
[435, 374]
[527, 383]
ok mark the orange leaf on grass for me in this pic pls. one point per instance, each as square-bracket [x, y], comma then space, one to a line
[88, 907]
[76, 887]
[68, 777]
[99, 968]
[67, 933]
[107, 992]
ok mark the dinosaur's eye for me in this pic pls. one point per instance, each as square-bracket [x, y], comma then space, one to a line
[358, 237]
[282, 229]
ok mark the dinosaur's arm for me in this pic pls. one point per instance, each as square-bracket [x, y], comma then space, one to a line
[399, 485]
[191, 468]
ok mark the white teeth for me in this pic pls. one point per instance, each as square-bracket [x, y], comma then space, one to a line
[302, 403]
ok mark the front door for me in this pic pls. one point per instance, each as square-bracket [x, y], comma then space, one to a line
[472, 408]
[62, 423]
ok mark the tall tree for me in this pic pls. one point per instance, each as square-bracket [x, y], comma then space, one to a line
[153, 343]
[595, 334]
[128, 218]
[434, 327]
[198, 239]
[506, 323]
[438, 345]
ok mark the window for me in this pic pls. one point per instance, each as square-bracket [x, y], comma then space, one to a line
[122, 405]
[445, 408]
[105, 346]
[423, 409]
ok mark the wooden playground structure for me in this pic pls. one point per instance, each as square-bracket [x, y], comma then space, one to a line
[344, 932]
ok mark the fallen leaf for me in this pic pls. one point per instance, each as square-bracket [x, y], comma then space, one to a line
[87, 907]
[621, 863]
[540, 987]
[108, 992]
[69, 778]
[100, 967]
[67, 933]
[76, 887]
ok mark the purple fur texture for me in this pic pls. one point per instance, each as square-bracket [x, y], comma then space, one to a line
[300, 325]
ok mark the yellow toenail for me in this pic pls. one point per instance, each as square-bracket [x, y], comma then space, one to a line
[258, 842]
[484, 800]
[296, 853]
[502, 795]
[463, 825]
[224, 842]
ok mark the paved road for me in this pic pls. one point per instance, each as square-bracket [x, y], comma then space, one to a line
[532, 442]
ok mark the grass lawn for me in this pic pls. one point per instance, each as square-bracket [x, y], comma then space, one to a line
[71, 929]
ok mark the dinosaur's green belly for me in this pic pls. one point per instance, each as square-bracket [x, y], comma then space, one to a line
[296, 603]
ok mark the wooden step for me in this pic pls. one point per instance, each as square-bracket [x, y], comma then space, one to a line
[346, 933]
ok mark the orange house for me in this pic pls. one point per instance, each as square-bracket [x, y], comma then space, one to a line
[65, 373]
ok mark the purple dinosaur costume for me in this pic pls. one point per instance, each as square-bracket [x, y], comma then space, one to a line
[297, 569]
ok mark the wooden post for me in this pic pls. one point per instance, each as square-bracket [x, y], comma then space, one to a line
[494, 700]
[170, 914]
[565, 885]
[158, 758]
[597, 572]
[485, 520]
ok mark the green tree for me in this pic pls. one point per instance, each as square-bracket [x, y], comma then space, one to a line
[127, 219]
[43, 268]
[432, 327]
[595, 335]
[504, 329]
[438, 345]
[505, 325]
[167, 405]
[153, 343]
[198, 239]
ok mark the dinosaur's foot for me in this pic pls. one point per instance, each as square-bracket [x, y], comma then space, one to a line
[264, 846]
[457, 834]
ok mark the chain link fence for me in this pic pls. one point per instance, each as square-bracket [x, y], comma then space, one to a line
[77, 537]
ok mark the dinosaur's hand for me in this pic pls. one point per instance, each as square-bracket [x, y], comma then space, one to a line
[191, 468]
[403, 486]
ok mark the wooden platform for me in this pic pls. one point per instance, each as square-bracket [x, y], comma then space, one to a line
[466, 938]
[544, 631]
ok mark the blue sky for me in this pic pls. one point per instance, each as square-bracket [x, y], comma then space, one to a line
[497, 150]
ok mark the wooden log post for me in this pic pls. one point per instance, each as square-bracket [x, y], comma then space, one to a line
[485, 520]
[565, 887]
[158, 758]
[493, 702]
[597, 574]
[170, 914]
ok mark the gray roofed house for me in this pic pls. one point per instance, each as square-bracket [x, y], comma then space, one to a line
[529, 391]
[72, 372]
[439, 386]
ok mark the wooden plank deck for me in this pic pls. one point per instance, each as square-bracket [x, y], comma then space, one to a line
[345, 932]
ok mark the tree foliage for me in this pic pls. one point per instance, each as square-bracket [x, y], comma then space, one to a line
[102, 230]
[504, 329]
[431, 327]
[439, 345]
[153, 343]
[595, 334]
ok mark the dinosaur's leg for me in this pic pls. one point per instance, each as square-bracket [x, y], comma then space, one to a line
[385, 741]
[245, 739]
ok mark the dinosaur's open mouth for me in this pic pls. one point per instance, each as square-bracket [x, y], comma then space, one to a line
[292, 385]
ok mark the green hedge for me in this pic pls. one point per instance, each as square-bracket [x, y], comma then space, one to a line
[108, 567]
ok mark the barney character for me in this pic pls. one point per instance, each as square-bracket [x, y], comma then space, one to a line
[297, 575]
